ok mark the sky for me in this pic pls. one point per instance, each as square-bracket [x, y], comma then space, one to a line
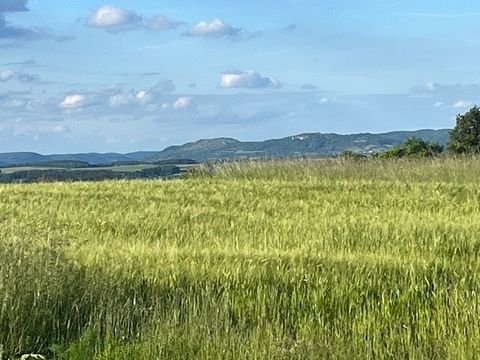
[123, 76]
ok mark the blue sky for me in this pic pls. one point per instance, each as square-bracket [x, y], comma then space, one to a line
[123, 75]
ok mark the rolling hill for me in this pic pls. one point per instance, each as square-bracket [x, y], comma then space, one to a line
[16, 158]
[228, 148]
[298, 145]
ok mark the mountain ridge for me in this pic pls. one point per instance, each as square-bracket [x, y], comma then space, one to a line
[297, 145]
[225, 148]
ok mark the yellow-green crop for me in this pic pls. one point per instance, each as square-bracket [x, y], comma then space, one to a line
[304, 259]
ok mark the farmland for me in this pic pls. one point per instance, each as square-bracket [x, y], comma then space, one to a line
[301, 259]
[119, 168]
[71, 171]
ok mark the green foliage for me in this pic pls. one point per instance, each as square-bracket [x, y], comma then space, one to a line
[465, 137]
[175, 162]
[301, 259]
[351, 155]
[52, 175]
[160, 171]
[60, 164]
[413, 148]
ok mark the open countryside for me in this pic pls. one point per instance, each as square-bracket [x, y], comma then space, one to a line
[239, 180]
[256, 260]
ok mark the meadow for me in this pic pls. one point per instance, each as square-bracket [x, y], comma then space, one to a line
[301, 259]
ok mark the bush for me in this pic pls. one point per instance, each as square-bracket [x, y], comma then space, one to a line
[413, 148]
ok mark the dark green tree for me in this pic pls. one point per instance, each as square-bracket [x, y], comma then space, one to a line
[414, 148]
[465, 137]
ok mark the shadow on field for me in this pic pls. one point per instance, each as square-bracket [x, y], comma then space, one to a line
[47, 301]
[289, 309]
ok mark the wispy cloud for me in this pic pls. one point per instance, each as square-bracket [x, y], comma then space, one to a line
[461, 104]
[215, 28]
[161, 22]
[142, 97]
[26, 63]
[9, 74]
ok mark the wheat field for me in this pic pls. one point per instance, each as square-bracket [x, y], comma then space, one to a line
[299, 259]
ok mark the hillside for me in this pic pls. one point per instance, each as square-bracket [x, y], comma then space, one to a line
[21, 158]
[91, 158]
[303, 144]
[227, 148]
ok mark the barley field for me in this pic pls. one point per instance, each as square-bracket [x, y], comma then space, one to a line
[301, 259]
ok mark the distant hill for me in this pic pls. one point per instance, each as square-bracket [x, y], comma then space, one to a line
[22, 158]
[106, 158]
[227, 148]
[303, 144]
[91, 158]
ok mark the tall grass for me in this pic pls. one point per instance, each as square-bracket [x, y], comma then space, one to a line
[281, 260]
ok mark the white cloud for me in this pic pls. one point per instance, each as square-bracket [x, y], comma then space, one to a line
[324, 101]
[72, 101]
[143, 96]
[431, 86]
[114, 19]
[462, 104]
[183, 102]
[6, 75]
[438, 104]
[428, 87]
[9, 74]
[119, 100]
[247, 79]
[161, 22]
[215, 28]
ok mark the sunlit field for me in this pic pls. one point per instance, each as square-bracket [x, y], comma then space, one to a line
[304, 259]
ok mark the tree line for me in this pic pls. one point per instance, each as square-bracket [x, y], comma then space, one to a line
[50, 175]
[464, 140]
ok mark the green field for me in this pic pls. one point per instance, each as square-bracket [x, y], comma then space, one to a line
[324, 259]
[11, 170]
[117, 168]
